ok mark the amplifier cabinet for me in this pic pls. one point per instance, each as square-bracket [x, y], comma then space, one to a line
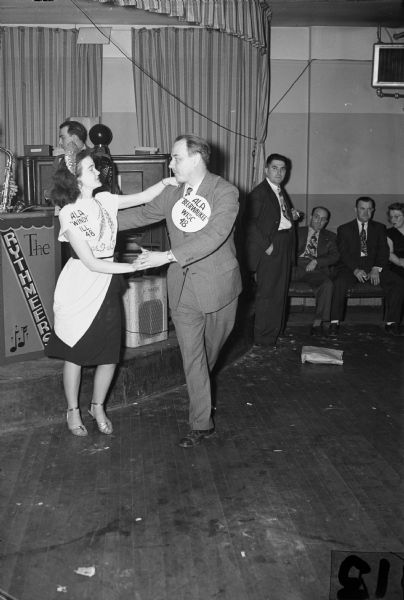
[145, 304]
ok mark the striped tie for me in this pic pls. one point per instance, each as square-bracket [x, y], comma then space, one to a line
[283, 204]
[311, 248]
[364, 246]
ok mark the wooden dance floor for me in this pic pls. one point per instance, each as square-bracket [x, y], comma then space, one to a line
[304, 471]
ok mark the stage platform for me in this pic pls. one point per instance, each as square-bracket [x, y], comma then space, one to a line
[31, 391]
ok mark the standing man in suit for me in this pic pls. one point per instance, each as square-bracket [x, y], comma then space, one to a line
[364, 257]
[270, 243]
[316, 252]
[203, 278]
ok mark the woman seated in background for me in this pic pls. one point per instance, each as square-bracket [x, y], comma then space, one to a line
[87, 302]
[395, 237]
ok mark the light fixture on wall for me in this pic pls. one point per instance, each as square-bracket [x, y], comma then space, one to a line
[94, 35]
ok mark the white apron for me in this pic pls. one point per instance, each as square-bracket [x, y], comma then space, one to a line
[80, 292]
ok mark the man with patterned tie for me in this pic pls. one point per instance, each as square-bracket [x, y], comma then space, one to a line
[364, 258]
[270, 244]
[203, 278]
[316, 252]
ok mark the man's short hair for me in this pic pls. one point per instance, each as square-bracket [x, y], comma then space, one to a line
[196, 144]
[322, 208]
[365, 199]
[275, 156]
[75, 128]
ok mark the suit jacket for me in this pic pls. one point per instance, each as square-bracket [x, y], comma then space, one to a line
[208, 256]
[263, 215]
[327, 250]
[349, 246]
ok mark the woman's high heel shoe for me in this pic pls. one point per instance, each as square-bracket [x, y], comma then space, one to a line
[78, 430]
[103, 426]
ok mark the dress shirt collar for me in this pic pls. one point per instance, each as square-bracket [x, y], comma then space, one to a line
[194, 187]
[360, 225]
[273, 186]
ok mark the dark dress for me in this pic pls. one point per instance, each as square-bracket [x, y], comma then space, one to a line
[87, 304]
[398, 243]
[102, 342]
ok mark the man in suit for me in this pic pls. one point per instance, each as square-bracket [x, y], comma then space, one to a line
[72, 132]
[316, 252]
[364, 257]
[270, 243]
[203, 278]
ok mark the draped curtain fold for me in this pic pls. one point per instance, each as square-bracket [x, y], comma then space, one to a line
[243, 18]
[201, 81]
[45, 78]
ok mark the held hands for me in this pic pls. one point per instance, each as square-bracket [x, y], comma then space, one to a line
[296, 215]
[361, 275]
[374, 276]
[149, 260]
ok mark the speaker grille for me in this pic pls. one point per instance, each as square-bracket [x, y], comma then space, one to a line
[151, 317]
[388, 65]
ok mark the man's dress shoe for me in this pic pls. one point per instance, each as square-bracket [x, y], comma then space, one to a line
[333, 330]
[316, 330]
[392, 329]
[195, 436]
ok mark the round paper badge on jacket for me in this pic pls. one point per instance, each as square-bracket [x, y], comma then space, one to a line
[191, 214]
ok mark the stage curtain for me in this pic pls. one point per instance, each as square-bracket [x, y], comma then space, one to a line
[45, 78]
[191, 80]
[243, 18]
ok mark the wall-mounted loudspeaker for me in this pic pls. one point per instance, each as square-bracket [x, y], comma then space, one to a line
[388, 66]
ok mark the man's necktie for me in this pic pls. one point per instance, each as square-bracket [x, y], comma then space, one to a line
[283, 203]
[364, 247]
[311, 248]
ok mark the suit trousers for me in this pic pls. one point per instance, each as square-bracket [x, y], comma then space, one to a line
[200, 336]
[321, 285]
[273, 276]
[393, 287]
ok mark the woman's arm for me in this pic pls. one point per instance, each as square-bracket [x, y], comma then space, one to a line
[393, 257]
[129, 200]
[98, 265]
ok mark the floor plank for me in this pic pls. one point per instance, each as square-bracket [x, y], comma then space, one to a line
[307, 460]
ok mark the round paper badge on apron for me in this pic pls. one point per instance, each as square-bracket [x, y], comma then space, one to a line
[191, 214]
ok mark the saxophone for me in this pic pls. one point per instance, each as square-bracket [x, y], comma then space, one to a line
[6, 193]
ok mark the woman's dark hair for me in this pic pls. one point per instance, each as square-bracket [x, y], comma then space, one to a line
[396, 206]
[65, 188]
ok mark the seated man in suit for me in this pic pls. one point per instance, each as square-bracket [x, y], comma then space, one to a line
[316, 253]
[364, 257]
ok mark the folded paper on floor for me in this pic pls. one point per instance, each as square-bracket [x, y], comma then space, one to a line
[327, 356]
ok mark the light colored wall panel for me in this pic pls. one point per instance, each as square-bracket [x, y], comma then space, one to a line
[356, 154]
[124, 130]
[285, 79]
[345, 87]
[343, 43]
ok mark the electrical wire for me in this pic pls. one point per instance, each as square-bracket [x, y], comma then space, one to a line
[176, 97]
